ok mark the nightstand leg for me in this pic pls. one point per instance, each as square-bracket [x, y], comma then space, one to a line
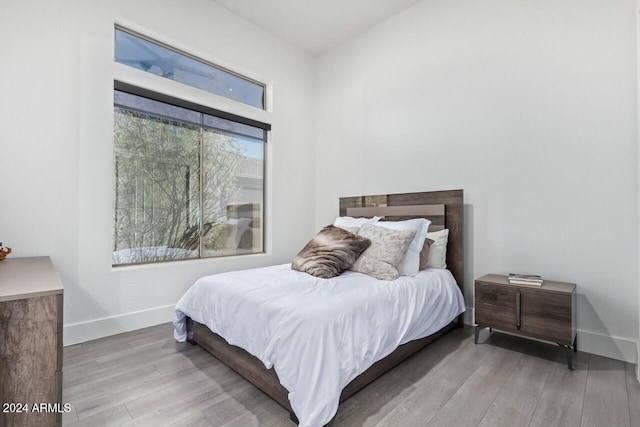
[568, 351]
[575, 344]
[476, 332]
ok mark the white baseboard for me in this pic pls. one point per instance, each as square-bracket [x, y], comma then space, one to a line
[638, 362]
[618, 348]
[99, 328]
[608, 346]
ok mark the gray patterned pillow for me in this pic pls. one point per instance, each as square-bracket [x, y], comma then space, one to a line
[388, 247]
[330, 252]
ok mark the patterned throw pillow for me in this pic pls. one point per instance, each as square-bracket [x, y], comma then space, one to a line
[382, 259]
[332, 251]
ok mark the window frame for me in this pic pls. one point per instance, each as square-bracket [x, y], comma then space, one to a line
[127, 30]
[138, 82]
[180, 102]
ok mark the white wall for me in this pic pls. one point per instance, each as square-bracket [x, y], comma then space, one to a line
[638, 121]
[56, 83]
[530, 107]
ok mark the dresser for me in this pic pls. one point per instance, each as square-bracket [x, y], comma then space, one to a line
[545, 312]
[31, 301]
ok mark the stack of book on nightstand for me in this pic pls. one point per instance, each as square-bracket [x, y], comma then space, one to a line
[525, 279]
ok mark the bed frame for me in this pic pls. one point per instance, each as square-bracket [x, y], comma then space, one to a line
[443, 208]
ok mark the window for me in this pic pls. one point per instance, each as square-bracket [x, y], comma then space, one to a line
[188, 180]
[152, 57]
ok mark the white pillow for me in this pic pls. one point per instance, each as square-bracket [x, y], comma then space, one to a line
[347, 221]
[438, 250]
[411, 263]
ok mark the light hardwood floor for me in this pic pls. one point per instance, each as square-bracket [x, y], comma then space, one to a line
[144, 378]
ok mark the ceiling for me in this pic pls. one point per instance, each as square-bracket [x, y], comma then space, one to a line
[316, 26]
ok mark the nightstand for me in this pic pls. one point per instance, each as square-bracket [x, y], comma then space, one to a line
[544, 312]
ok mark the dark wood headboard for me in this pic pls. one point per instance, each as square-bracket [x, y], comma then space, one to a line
[443, 208]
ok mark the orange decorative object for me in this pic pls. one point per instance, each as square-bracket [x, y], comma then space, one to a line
[4, 251]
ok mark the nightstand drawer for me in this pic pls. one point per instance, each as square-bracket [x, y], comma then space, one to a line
[497, 317]
[502, 296]
[533, 300]
[549, 327]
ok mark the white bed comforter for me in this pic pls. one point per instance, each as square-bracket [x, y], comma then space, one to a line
[318, 334]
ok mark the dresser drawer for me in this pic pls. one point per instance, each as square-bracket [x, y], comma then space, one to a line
[533, 300]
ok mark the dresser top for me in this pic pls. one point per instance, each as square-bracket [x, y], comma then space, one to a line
[32, 277]
[547, 285]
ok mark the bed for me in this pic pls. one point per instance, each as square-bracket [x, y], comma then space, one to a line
[325, 339]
